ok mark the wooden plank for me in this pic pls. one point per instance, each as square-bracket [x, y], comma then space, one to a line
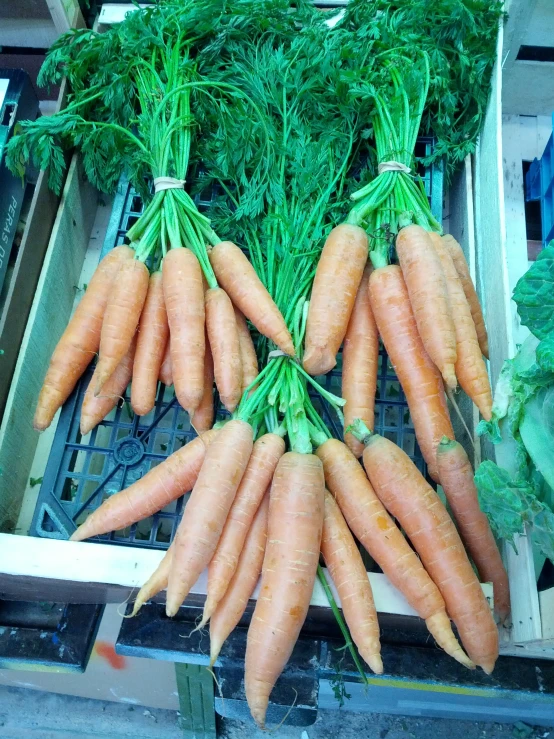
[519, 16]
[47, 320]
[83, 572]
[546, 600]
[66, 14]
[494, 290]
[28, 263]
[514, 204]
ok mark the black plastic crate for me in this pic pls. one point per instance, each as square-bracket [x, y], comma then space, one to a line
[83, 471]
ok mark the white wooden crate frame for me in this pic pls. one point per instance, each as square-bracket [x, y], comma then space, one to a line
[33, 568]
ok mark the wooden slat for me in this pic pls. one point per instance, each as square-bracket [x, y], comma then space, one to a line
[494, 291]
[83, 572]
[27, 267]
[47, 320]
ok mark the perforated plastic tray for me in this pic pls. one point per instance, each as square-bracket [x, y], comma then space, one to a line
[82, 471]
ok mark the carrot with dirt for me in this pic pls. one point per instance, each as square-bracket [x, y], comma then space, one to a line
[266, 452]
[231, 607]
[360, 362]
[458, 257]
[203, 418]
[96, 407]
[153, 335]
[239, 279]
[420, 379]
[207, 509]
[418, 509]
[295, 523]
[80, 340]
[184, 302]
[121, 319]
[347, 570]
[456, 475]
[378, 533]
[427, 290]
[337, 278]
[166, 372]
[164, 483]
[223, 336]
[247, 352]
[470, 368]
[155, 583]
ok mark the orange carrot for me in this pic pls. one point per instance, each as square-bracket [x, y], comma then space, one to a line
[160, 486]
[360, 362]
[166, 372]
[247, 352]
[206, 511]
[412, 501]
[239, 279]
[125, 303]
[224, 343]
[418, 376]
[153, 335]
[456, 475]
[347, 571]
[80, 340]
[266, 452]
[94, 408]
[462, 269]
[426, 285]
[378, 533]
[470, 365]
[184, 302]
[203, 418]
[295, 523]
[231, 607]
[336, 283]
[155, 583]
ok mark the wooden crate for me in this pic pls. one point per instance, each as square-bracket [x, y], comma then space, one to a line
[32, 568]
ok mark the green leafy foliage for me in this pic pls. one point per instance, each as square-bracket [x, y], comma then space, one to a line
[534, 295]
[509, 504]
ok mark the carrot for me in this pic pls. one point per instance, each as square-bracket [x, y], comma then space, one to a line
[203, 418]
[296, 506]
[336, 283]
[166, 372]
[347, 571]
[462, 269]
[360, 362]
[378, 533]
[79, 341]
[239, 279]
[224, 343]
[267, 451]
[456, 477]
[243, 583]
[155, 583]
[184, 302]
[426, 285]
[418, 376]
[206, 511]
[247, 352]
[95, 408]
[127, 296]
[412, 501]
[153, 335]
[470, 365]
[162, 484]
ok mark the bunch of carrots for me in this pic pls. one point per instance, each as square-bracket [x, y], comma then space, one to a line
[271, 491]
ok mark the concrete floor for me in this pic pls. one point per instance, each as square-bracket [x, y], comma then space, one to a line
[31, 714]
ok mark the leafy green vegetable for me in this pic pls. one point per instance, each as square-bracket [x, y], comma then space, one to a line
[534, 295]
[34, 481]
[509, 505]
